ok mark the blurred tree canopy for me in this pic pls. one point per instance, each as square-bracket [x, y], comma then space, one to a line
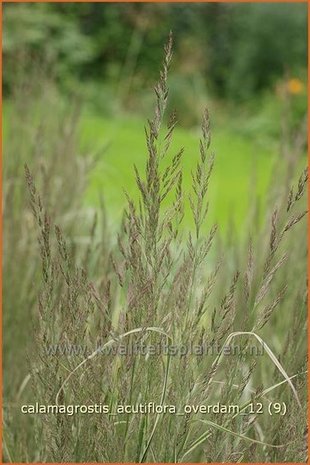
[239, 49]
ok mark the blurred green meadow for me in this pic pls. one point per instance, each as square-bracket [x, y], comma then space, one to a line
[244, 162]
[221, 60]
[254, 91]
[242, 167]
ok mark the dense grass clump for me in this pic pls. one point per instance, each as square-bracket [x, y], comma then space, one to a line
[156, 284]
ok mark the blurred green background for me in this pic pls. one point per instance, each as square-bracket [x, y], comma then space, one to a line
[246, 62]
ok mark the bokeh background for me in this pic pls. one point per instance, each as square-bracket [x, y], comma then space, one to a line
[247, 63]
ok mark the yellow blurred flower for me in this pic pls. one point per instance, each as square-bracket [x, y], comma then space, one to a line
[295, 86]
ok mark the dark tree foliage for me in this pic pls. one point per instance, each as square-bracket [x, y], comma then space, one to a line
[239, 49]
